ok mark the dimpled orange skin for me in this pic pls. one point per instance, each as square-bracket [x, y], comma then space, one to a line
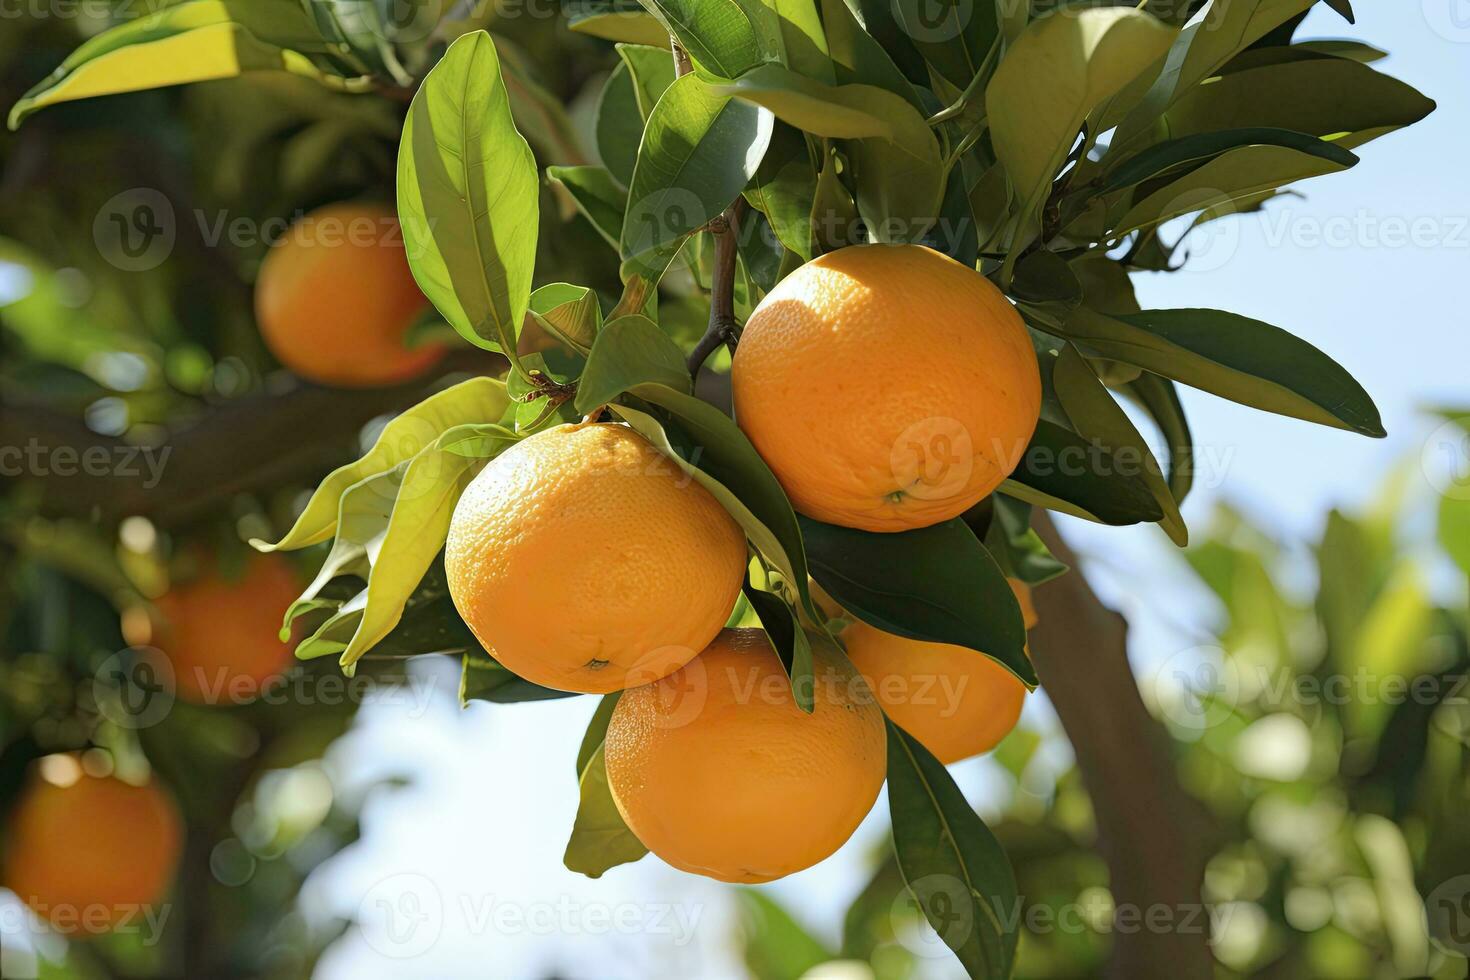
[335, 297]
[222, 636]
[585, 560]
[888, 387]
[89, 855]
[718, 772]
[958, 703]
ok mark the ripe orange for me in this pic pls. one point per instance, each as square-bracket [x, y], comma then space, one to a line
[718, 772]
[585, 560]
[335, 297]
[222, 636]
[955, 701]
[887, 386]
[88, 852]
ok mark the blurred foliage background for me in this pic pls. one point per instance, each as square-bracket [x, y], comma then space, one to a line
[1334, 799]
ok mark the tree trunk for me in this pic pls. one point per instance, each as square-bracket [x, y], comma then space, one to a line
[1152, 835]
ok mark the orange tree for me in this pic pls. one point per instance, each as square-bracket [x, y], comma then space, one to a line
[805, 165]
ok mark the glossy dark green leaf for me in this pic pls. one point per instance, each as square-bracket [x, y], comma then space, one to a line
[1160, 399]
[1061, 470]
[699, 151]
[1018, 549]
[1096, 416]
[1170, 155]
[857, 55]
[953, 865]
[954, 36]
[600, 838]
[483, 679]
[468, 194]
[787, 638]
[597, 196]
[1235, 357]
[937, 584]
[631, 350]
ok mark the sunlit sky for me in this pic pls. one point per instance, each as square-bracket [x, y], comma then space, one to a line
[470, 853]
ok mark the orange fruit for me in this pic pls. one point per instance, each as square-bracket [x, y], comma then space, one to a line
[89, 852]
[955, 701]
[718, 772]
[222, 636]
[888, 387]
[585, 560]
[335, 298]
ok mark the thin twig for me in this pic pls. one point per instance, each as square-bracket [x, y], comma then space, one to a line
[722, 326]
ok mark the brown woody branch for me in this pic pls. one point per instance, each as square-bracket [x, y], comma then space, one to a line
[291, 431]
[1153, 836]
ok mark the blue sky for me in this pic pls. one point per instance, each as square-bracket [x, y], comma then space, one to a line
[481, 831]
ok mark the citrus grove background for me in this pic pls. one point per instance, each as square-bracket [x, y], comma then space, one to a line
[1321, 807]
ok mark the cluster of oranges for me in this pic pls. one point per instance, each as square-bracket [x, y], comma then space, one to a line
[584, 560]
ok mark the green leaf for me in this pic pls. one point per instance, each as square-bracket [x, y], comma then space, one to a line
[839, 111]
[196, 41]
[834, 216]
[597, 195]
[788, 639]
[630, 351]
[718, 34]
[476, 400]
[952, 864]
[1160, 399]
[1017, 548]
[724, 452]
[1096, 416]
[1236, 175]
[954, 36]
[1062, 67]
[1235, 357]
[776, 947]
[652, 72]
[1201, 50]
[937, 584]
[467, 197]
[803, 41]
[482, 678]
[766, 541]
[615, 21]
[783, 190]
[857, 56]
[569, 313]
[600, 838]
[619, 126]
[1173, 154]
[699, 151]
[592, 739]
[1344, 101]
[1061, 470]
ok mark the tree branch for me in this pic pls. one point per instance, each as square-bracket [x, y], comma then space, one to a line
[1153, 836]
[722, 327]
[291, 431]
